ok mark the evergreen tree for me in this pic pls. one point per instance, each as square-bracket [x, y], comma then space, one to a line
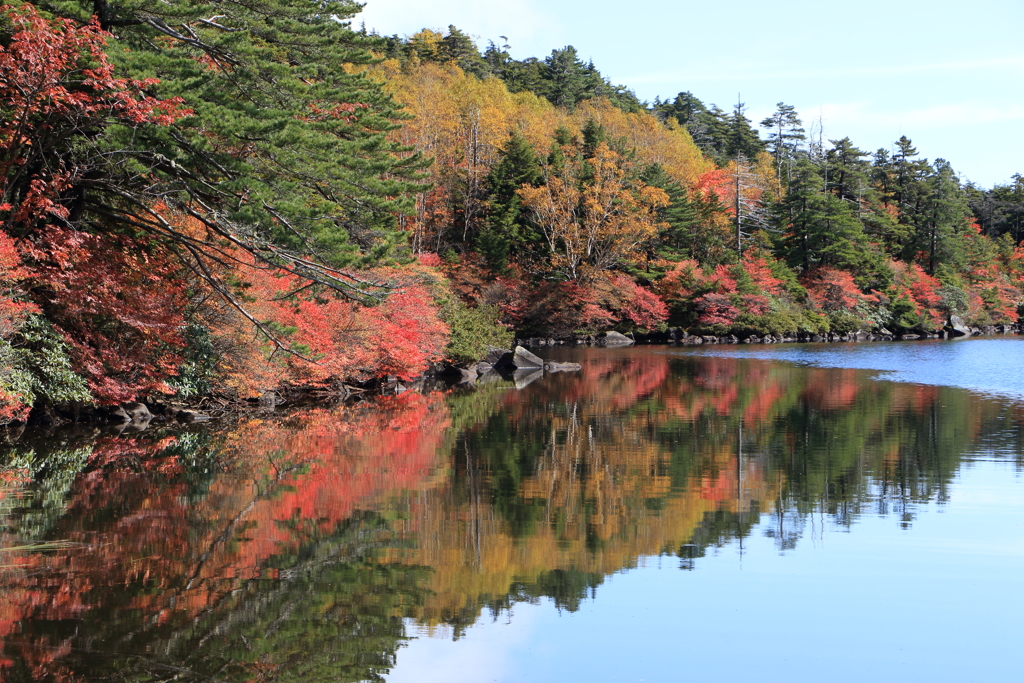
[566, 77]
[1000, 211]
[785, 135]
[741, 138]
[458, 47]
[507, 229]
[848, 172]
[690, 221]
[285, 154]
[943, 221]
[818, 228]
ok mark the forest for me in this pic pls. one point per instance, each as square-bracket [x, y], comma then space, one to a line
[237, 198]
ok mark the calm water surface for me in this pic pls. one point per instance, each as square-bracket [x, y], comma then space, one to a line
[778, 513]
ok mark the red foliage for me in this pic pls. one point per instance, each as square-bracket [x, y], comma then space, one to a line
[715, 181]
[756, 304]
[333, 338]
[715, 309]
[429, 259]
[642, 306]
[12, 314]
[760, 272]
[56, 82]
[920, 289]
[833, 290]
[118, 303]
[12, 311]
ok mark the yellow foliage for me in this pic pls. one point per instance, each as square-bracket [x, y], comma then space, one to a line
[591, 228]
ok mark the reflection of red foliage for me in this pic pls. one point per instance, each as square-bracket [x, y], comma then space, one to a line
[293, 480]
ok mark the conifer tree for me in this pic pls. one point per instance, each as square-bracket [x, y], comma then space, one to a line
[285, 154]
[818, 228]
[785, 135]
[506, 228]
[741, 138]
[943, 221]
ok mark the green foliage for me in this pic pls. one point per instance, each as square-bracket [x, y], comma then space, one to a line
[197, 374]
[473, 330]
[39, 368]
[507, 229]
[285, 151]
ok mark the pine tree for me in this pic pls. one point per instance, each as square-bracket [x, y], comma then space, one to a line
[819, 229]
[741, 138]
[691, 230]
[458, 47]
[285, 155]
[943, 221]
[848, 172]
[507, 229]
[566, 79]
[786, 134]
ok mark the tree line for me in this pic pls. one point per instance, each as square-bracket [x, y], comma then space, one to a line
[202, 198]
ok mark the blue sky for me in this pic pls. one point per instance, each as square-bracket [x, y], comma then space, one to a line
[948, 75]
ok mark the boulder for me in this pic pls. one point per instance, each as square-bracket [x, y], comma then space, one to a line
[616, 339]
[519, 359]
[957, 328]
[191, 416]
[909, 337]
[562, 367]
[137, 412]
[118, 414]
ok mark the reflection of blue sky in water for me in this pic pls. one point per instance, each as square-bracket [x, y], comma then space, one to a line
[942, 601]
[989, 366]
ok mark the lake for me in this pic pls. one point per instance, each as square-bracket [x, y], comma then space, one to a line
[843, 512]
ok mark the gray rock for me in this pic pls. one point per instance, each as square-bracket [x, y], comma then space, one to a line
[191, 416]
[909, 337]
[519, 359]
[494, 354]
[119, 414]
[957, 327]
[137, 412]
[616, 339]
[523, 359]
[562, 367]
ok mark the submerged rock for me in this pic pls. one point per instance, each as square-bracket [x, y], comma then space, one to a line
[562, 367]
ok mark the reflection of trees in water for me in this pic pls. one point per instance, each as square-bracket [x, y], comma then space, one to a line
[248, 554]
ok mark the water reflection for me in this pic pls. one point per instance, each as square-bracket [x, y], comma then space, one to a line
[299, 548]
